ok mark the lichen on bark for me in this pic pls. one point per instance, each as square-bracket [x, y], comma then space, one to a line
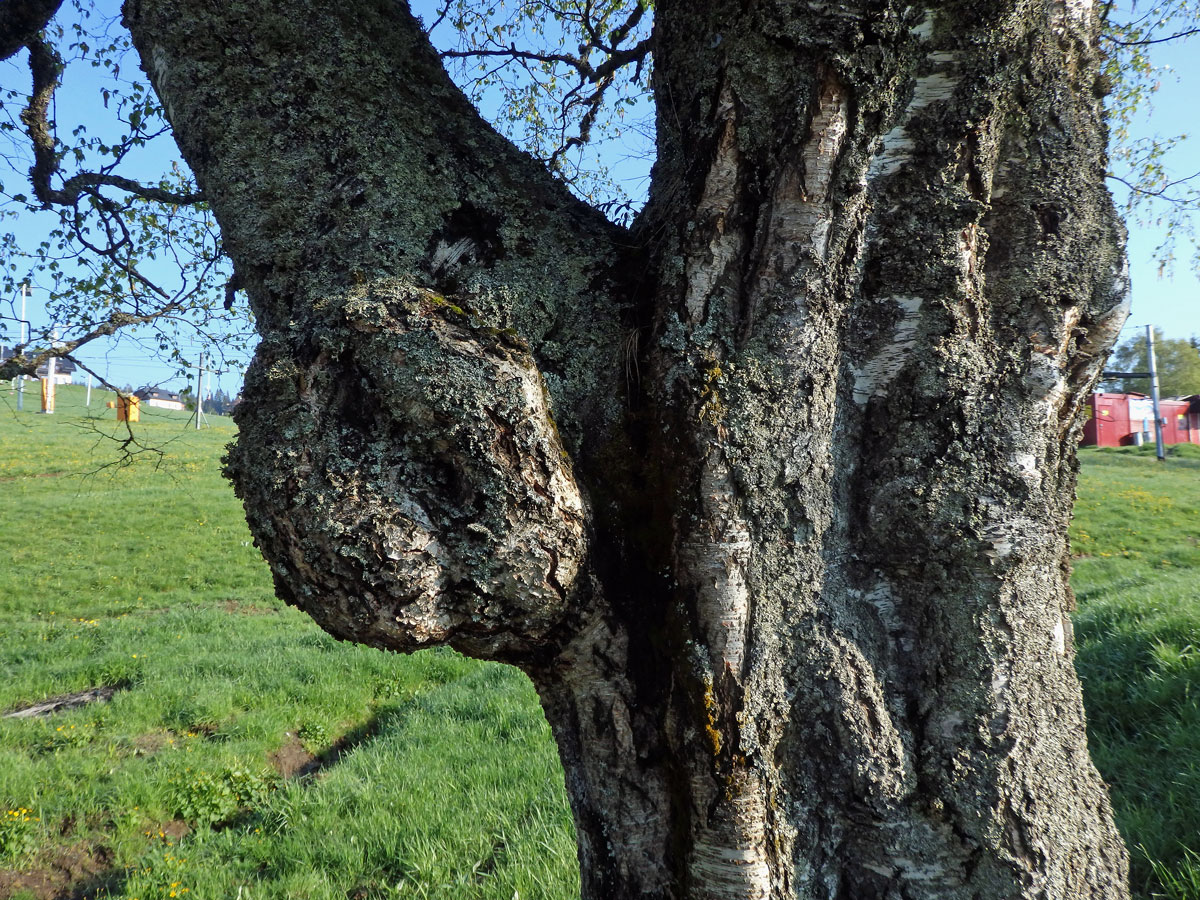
[405, 478]
[767, 494]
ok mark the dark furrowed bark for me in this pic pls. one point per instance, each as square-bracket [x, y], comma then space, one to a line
[775, 521]
[426, 294]
[887, 463]
[20, 22]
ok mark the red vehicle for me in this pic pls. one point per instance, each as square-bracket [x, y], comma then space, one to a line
[1116, 420]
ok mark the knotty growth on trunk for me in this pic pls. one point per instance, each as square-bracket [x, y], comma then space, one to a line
[769, 494]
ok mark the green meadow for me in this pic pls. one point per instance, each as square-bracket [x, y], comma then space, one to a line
[242, 753]
[1136, 537]
[245, 753]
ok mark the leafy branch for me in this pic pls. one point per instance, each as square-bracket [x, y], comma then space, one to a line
[565, 74]
[123, 252]
[1155, 196]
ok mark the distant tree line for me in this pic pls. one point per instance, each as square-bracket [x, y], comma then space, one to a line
[1178, 362]
[218, 403]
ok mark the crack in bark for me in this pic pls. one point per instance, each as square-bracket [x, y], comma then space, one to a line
[766, 672]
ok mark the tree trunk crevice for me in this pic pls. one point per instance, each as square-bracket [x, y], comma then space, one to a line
[767, 495]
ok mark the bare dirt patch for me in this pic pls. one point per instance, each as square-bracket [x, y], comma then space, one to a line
[150, 742]
[171, 831]
[293, 760]
[8, 478]
[80, 872]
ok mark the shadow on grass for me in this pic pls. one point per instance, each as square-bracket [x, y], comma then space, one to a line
[1141, 686]
[295, 761]
[99, 886]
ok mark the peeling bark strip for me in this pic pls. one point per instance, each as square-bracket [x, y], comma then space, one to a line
[795, 599]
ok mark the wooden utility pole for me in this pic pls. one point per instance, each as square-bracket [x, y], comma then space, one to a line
[48, 392]
[199, 389]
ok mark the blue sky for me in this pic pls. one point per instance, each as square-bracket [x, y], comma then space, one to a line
[1171, 302]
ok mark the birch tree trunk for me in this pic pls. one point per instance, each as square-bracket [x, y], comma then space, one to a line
[768, 495]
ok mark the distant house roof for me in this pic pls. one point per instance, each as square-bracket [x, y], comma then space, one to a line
[156, 393]
[61, 367]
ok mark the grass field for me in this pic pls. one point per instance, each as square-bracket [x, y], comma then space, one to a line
[245, 754]
[1137, 578]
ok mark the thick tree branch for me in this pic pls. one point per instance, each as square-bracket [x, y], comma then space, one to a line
[622, 31]
[19, 364]
[406, 251]
[630, 55]
[88, 182]
[20, 22]
[323, 200]
[45, 65]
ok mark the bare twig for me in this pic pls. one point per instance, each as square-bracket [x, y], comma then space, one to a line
[592, 74]
[1161, 193]
[511, 51]
[441, 16]
[104, 382]
[1147, 41]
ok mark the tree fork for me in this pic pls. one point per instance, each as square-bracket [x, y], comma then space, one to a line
[795, 599]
